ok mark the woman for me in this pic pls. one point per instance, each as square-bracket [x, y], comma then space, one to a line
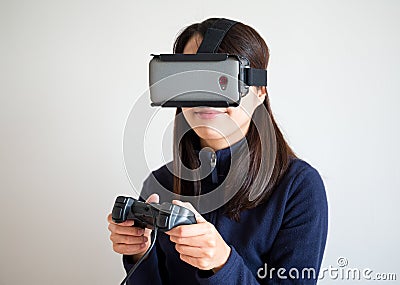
[273, 229]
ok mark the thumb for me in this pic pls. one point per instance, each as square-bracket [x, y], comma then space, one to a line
[153, 198]
[187, 205]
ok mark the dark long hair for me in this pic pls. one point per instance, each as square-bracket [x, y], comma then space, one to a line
[245, 41]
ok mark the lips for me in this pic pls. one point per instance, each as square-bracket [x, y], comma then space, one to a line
[208, 113]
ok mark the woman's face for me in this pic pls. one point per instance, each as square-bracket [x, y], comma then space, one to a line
[220, 127]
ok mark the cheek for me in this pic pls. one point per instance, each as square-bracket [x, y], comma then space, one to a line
[239, 116]
[189, 116]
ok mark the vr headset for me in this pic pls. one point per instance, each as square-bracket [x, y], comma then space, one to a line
[203, 79]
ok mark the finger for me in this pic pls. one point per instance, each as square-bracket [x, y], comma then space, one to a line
[127, 223]
[188, 259]
[132, 231]
[190, 250]
[191, 230]
[128, 249]
[127, 239]
[199, 218]
[197, 241]
[153, 198]
[196, 262]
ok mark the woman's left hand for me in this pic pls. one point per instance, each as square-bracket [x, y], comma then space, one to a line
[200, 244]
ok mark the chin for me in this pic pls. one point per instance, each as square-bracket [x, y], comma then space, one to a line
[208, 133]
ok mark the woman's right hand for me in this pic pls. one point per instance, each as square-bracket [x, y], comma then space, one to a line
[130, 240]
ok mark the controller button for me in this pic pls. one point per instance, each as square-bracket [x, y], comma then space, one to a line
[121, 199]
[117, 213]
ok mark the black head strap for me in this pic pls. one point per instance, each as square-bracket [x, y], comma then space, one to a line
[214, 35]
[210, 44]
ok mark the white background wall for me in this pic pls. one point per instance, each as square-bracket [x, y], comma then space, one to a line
[71, 70]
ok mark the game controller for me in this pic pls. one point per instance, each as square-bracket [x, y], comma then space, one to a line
[164, 216]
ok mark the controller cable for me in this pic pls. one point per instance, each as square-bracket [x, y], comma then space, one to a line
[154, 234]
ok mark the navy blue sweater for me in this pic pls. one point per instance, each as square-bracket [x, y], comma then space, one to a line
[286, 234]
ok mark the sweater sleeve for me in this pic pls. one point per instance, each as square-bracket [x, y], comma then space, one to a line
[300, 243]
[298, 246]
[234, 272]
[150, 271]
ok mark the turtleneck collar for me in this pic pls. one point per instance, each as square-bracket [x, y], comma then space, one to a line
[217, 163]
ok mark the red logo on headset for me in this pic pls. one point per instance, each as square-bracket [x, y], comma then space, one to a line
[223, 82]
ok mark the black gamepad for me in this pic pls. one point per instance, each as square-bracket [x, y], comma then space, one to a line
[147, 215]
